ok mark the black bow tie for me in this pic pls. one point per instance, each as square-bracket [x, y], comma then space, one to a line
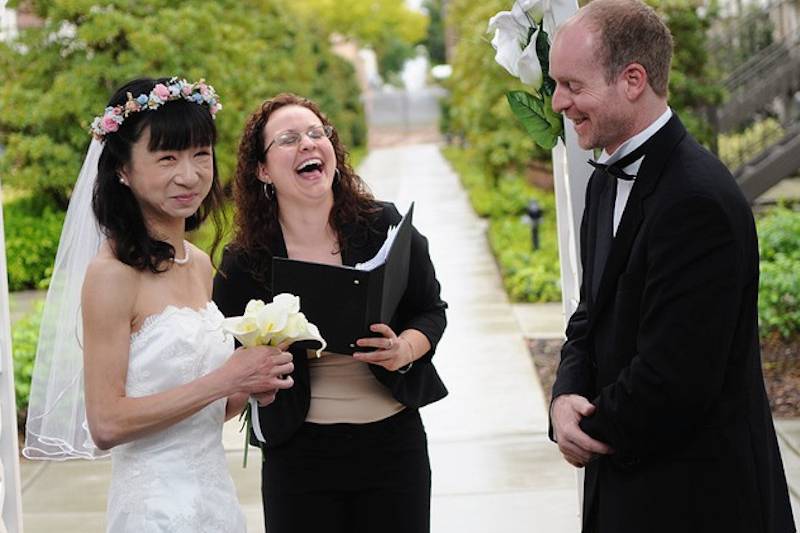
[615, 169]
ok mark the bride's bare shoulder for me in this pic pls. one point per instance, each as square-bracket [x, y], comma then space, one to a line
[110, 280]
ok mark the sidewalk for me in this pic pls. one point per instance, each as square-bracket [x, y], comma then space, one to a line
[789, 441]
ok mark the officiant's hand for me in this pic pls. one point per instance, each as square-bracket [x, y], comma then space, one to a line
[392, 353]
[577, 447]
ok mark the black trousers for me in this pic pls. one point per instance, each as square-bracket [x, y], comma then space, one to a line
[350, 478]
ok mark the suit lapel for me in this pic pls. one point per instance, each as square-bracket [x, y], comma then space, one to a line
[660, 147]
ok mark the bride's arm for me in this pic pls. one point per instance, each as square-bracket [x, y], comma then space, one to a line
[236, 403]
[108, 299]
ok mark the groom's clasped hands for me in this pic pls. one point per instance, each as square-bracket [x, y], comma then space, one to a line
[261, 371]
[577, 447]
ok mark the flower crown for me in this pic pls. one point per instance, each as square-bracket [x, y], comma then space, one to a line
[176, 89]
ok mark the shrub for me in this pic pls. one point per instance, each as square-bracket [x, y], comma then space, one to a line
[779, 290]
[779, 297]
[32, 231]
[24, 337]
[528, 275]
[778, 232]
[735, 149]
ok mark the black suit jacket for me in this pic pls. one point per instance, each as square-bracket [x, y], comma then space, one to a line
[668, 352]
[243, 277]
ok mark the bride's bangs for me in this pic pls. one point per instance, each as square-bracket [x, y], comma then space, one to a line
[180, 125]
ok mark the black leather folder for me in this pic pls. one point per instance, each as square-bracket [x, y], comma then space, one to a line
[343, 301]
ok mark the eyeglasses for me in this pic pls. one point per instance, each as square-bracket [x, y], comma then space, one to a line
[289, 138]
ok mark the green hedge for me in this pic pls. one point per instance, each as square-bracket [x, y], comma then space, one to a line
[32, 229]
[24, 337]
[528, 275]
[779, 291]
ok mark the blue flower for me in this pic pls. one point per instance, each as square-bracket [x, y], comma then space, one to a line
[142, 99]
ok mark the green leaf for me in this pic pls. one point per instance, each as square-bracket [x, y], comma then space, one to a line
[529, 110]
[543, 53]
[556, 120]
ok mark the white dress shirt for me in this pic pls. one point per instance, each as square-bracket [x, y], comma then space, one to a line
[624, 186]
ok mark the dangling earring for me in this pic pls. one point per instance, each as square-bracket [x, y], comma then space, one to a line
[269, 190]
[123, 182]
[336, 174]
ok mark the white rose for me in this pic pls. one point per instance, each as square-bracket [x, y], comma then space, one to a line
[528, 66]
[515, 52]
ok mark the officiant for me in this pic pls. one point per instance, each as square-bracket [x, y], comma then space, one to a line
[345, 449]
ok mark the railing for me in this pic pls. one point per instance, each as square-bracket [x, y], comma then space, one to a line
[772, 73]
[780, 160]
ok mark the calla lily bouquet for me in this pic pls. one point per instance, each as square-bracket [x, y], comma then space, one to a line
[522, 41]
[273, 323]
[270, 324]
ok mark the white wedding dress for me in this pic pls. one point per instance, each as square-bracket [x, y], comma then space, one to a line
[176, 480]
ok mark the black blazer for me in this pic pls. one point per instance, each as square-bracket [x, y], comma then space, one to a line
[668, 352]
[243, 277]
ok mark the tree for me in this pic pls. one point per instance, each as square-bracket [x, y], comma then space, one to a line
[58, 77]
[694, 85]
[477, 109]
[387, 26]
[434, 40]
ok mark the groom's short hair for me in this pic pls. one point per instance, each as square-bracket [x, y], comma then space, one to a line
[631, 32]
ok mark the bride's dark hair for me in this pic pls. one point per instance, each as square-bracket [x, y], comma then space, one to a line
[175, 125]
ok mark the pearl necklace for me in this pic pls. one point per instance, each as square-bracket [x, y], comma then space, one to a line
[186, 255]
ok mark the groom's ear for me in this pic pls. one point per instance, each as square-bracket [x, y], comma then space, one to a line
[634, 81]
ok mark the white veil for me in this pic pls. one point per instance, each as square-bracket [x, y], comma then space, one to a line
[57, 427]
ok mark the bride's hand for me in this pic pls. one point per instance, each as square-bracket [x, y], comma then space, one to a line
[265, 398]
[261, 368]
[393, 352]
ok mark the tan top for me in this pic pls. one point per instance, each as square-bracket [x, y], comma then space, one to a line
[345, 390]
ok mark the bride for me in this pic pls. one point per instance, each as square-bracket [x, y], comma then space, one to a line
[159, 376]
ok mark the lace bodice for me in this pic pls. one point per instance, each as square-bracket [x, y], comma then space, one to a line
[176, 480]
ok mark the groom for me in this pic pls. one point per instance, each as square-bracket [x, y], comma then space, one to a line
[659, 393]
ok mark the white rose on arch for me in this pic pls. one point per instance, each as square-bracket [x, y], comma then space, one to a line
[522, 39]
[546, 12]
[515, 43]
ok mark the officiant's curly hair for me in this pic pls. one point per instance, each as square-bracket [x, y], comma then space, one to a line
[174, 125]
[256, 217]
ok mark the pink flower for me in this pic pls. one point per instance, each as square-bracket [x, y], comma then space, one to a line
[187, 90]
[132, 106]
[161, 91]
[109, 124]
